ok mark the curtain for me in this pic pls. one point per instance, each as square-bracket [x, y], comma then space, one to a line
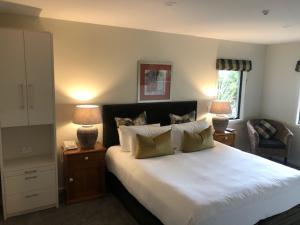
[298, 66]
[234, 64]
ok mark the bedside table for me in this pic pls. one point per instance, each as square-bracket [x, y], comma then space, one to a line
[84, 173]
[227, 138]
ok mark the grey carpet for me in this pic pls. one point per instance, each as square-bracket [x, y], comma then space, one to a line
[103, 211]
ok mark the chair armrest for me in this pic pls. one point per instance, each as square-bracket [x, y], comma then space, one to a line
[285, 136]
[254, 137]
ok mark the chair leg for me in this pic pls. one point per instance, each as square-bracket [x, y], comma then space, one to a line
[285, 160]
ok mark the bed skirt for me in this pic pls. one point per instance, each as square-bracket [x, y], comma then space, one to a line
[145, 217]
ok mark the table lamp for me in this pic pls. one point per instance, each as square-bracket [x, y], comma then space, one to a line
[87, 116]
[221, 109]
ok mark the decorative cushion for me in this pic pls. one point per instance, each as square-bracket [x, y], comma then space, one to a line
[198, 141]
[130, 132]
[192, 127]
[189, 117]
[148, 147]
[126, 132]
[271, 143]
[265, 129]
[138, 121]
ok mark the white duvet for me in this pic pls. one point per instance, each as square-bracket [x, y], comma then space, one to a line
[219, 186]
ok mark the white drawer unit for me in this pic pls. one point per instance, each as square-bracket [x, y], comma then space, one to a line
[23, 202]
[29, 189]
[29, 182]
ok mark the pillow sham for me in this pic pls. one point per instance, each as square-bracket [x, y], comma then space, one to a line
[189, 117]
[198, 140]
[192, 127]
[265, 129]
[138, 121]
[148, 147]
[125, 135]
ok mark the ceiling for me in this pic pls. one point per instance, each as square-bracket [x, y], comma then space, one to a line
[236, 20]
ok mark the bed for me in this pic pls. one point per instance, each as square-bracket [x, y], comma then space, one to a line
[217, 186]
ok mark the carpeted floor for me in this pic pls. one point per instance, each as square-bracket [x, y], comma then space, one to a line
[104, 211]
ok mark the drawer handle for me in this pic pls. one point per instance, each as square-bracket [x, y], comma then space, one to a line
[30, 178]
[86, 158]
[31, 196]
[30, 171]
[71, 179]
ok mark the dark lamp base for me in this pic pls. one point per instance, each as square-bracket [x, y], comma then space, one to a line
[87, 136]
[220, 123]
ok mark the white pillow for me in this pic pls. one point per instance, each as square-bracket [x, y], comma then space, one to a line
[125, 134]
[192, 127]
[132, 131]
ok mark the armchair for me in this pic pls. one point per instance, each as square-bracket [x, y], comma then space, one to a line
[278, 146]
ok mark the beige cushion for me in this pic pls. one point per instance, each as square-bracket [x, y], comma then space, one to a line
[148, 147]
[131, 132]
[192, 127]
[126, 133]
[198, 140]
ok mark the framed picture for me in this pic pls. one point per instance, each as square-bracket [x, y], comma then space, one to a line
[154, 81]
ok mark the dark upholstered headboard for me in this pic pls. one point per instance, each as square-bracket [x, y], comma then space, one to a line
[157, 112]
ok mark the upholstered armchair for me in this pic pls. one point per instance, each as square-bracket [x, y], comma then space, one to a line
[278, 146]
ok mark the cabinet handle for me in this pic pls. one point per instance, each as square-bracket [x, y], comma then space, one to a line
[31, 196]
[226, 138]
[71, 179]
[21, 87]
[30, 178]
[86, 158]
[30, 95]
[30, 171]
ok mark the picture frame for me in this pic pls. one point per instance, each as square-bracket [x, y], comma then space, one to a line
[154, 81]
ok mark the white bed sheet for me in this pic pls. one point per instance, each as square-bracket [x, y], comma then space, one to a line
[218, 186]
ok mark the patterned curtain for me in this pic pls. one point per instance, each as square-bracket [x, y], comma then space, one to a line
[298, 66]
[234, 64]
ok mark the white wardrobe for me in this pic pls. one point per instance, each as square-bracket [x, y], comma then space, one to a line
[27, 127]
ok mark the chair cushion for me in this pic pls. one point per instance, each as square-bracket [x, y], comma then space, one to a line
[270, 143]
[265, 129]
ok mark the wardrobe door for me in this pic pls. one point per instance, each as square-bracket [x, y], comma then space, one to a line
[13, 104]
[39, 68]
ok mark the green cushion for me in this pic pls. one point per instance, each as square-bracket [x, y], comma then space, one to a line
[148, 147]
[198, 141]
[265, 129]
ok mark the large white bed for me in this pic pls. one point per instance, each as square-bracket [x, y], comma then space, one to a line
[218, 186]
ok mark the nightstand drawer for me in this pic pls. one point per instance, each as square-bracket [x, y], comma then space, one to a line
[85, 160]
[24, 183]
[30, 200]
[226, 138]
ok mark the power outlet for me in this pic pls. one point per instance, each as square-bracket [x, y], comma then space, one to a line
[26, 150]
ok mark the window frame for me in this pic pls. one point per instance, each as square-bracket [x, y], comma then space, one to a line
[239, 96]
[240, 91]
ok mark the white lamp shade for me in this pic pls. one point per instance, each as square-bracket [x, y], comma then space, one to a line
[86, 115]
[220, 107]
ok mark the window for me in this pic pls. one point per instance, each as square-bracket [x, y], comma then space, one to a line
[230, 89]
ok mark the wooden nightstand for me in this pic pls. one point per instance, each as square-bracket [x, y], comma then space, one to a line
[227, 138]
[84, 173]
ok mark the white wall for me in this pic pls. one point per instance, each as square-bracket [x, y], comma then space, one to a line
[281, 90]
[101, 61]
